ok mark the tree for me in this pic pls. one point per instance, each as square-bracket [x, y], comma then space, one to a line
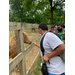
[59, 16]
[17, 8]
[56, 4]
[36, 11]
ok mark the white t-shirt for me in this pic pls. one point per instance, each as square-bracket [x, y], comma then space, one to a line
[50, 42]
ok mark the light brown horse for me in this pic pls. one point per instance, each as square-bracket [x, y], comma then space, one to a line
[12, 45]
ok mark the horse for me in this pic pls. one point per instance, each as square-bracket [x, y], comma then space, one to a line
[13, 46]
[33, 29]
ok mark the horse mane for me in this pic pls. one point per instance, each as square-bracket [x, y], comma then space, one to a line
[13, 37]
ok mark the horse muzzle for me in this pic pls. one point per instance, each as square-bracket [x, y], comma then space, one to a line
[29, 42]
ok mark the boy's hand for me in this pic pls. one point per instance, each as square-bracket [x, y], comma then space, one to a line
[38, 45]
[45, 58]
[34, 43]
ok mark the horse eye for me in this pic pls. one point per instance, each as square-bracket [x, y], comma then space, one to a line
[25, 37]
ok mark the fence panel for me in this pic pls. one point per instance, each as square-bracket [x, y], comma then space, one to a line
[17, 70]
[15, 47]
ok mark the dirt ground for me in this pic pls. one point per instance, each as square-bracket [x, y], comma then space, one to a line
[30, 57]
[33, 52]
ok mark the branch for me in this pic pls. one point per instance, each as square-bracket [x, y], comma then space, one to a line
[58, 3]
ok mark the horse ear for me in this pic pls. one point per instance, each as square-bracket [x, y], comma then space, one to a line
[23, 33]
[13, 37]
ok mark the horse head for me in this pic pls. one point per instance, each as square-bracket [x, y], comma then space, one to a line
[26, 39]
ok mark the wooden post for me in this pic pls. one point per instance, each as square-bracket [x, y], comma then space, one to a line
[17, 36]
[22, 49]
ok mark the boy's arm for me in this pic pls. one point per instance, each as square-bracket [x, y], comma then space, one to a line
[60, 49]
[36, 44]
[57, 51]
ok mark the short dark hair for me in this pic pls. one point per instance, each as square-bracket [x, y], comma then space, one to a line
[52, 27]
[43, 26]
[60, 24]
[63, 25]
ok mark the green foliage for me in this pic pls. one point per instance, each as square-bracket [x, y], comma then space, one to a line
[36, 11]
[59, 16]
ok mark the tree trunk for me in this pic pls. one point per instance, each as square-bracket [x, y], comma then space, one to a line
[50, 1]
[51, 16]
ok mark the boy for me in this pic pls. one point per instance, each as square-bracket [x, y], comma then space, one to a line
[53, 47]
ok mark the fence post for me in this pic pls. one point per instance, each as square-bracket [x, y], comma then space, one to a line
[22, 49]
[17, 36]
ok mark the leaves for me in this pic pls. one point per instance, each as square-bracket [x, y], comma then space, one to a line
[36, 11]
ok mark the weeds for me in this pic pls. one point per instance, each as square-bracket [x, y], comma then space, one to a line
[37, 68]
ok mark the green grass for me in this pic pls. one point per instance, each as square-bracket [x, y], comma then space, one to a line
[37, 68]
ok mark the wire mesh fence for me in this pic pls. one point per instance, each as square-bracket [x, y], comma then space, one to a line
[14, 44]
[32, 35]
[29, 36]
[17, 70]
[14, 50]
